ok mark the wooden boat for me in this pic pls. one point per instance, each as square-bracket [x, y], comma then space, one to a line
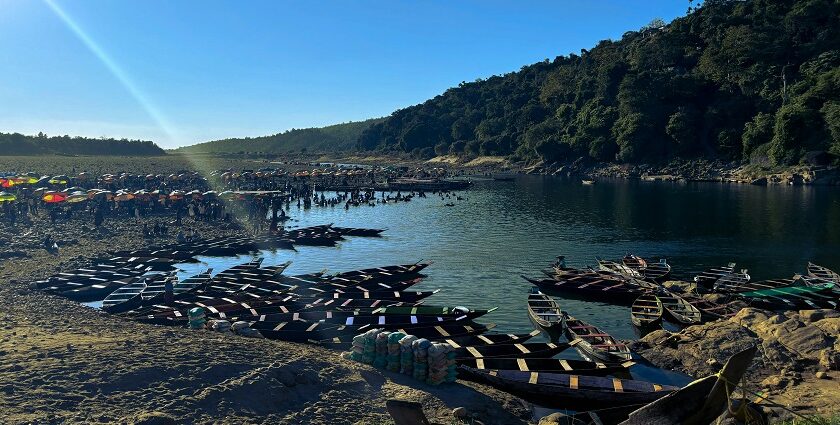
[646, 311]
[679, 309]
[469, 339]
[593, 343]
[135, 289]
[711, 310]
[353, 231]
[359, 318]
[794, 297]
[617, 268]
[824, 273]
[733, 282]
[527, 349]
[706, 279]
[588, 182]
[657, 271]
[315, 332]
[591, 285]
[577, 367]
[154, 293]
[557, 390]
[634, 262]
[425, 310]
[545, 312]
[701, 401]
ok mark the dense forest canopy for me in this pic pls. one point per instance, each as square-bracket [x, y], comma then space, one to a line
[41, 144]
[748, 80]
[334, 138]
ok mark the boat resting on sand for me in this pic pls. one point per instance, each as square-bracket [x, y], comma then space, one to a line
[576, 367]
[558, 390]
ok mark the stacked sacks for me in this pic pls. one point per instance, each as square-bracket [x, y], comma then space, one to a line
[393, 358]
[421, 354]
[196, 318]
[358, 348]
[219, 325]
[441, 364]
[364, 346]
[381, 350]
[245, 329]
[407, 355]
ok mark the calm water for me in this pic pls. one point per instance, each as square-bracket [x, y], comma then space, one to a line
[501, 230]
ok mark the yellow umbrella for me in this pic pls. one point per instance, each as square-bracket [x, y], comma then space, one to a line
[7, 197]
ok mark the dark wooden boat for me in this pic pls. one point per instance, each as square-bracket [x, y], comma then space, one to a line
[823, 273]
[352, 231]
[153, 293]
[711, 310]
[679, 309]
[576, 367]
[733, 282]
[545, 312]
[308, 331]
[590, 285]
[527, 349]
[794, 297]
[557, 390]
[593, 343]
[706, 279]
[646, 311]
[136, 288]
[617, 268]
[656, 271]
[442, 334]
[360, 318]
[634, 262]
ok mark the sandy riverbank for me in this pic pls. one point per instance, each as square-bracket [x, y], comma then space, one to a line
[61, 362]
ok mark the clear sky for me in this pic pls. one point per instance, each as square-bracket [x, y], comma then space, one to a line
[184, 71]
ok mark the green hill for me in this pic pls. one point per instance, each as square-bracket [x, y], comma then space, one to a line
[13, 144]
[334, 138]
[741, 80]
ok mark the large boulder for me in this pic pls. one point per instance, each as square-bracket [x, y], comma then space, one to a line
[830, 326]
[817, 315]
[808, 341]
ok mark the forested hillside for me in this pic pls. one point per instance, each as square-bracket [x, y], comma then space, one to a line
[19, 144]
[743, 80]
[334, 138]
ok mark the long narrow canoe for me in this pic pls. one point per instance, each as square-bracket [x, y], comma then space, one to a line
[711, 310]
[821, 272]
[707, 279]
[794, 297]
[591, 285]
[545, 312]
[679, 309]
[456, 340]
[646, 311]
[593, 343]
[528, 349]
[657, 271]
[558, 390]
[306, 331]
[577, 367]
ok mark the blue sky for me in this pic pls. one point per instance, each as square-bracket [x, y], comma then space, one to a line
[181, 72]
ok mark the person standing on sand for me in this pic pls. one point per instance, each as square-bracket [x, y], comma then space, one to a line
[98, 217]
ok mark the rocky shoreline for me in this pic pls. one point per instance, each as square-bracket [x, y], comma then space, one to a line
[797, 365]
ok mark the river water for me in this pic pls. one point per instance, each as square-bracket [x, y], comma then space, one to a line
[480, 246]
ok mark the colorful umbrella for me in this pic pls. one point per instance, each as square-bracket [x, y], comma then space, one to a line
[7, 197]
[54, 197]
[77, 197]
